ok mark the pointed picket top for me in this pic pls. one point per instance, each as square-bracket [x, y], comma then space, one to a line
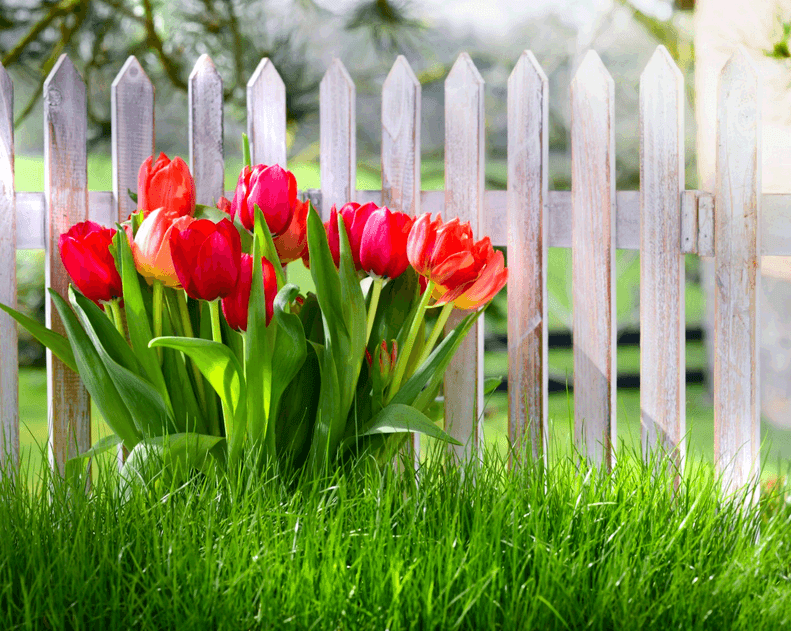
[661, 67]
[739, 78]
[132, 114]
[6, 85]
[338, 137]
[266, 115]
[63, 82]
[593, 78]
[206, 130]
[398, 92]
[527, 69]
[464, 72]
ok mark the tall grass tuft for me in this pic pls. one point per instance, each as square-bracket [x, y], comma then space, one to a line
[563, 547]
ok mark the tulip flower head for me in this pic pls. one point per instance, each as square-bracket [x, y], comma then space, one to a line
[224, 204]
[383, 243]
[464, 272]
[207, 258]
[293, 243]
[85, 252]
[355, 218]
[236, 304]
[165, 184]
[151, 246]
[274, 190]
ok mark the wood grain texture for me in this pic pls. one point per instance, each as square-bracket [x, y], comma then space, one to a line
[206, 131]
[66, 193]
[593, 258]
[401, 139]
[401, 158]
[528, 187]
[706, 223]
[464, 193]
[737, 403]
[338, 138]
[689, 222]
[266, 115]
[9, 376]
[662, 273]
[132, 114]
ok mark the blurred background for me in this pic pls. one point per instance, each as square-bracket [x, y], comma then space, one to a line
[302, 36]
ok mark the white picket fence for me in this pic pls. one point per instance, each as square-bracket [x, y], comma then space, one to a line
[662, 220]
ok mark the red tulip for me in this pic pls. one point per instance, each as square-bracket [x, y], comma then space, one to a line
[274, 190]
[235, 305]
[383, 243]
[354, 219]
[385, 357]
[85, 252]
[447, 255]
[207, 258]
[151, 246]
[165, 184]
[293, 243]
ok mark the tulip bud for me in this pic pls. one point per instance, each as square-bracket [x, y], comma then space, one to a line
[207, 258]
[385, 359]
[293, 243]
[151, 246]
[165, 184]
[235, 305]
[354, 219]
[274, 190]
[85, 252]
[383, 243]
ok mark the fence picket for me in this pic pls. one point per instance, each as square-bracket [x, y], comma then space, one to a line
[338, 138]
[464, 191]
[401, 154]
[132, 112]
[662, 321]
[66, 192]
[266, 115]
[528, 165]
[593, 257]
[206, 131]
[9, 374]
[737, 243]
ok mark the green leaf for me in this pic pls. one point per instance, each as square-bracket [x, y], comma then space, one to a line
[269, 249]
[95, 377]
[132, 196]
[397, 302]
[149, 412]
[290, 347]
[57, 343]
[222, 370]
[490, 384]
[397, 417]
[433, 369]
[327, 432]
[137, 321]
[105, 443]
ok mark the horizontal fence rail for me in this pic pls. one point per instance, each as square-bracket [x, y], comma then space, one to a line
[735, 224]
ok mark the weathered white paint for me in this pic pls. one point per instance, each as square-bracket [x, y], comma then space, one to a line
[266, 115]
[66, 194]
[662, 272]
[593, 258]
[527, 202]
[206, 130]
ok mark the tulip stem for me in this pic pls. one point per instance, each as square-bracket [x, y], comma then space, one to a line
[377, 291]
[439, 325]
[159, 293]
[216, 335]
[248, 160]
[417, 322]
[186, 322]
[118, 318]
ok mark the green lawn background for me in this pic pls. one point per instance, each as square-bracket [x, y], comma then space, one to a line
[29, 176]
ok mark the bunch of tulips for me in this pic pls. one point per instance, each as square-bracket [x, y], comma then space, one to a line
[195, 348]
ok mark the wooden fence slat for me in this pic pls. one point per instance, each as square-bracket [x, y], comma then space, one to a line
[9, 375]
[593, 258]
[706, 223]
[528, 184]
[401, 101]
[737, 401]
[464, 192]
[66, 192]
[206, 131]
[338, 138]
[266, 115]
[662, 273]
[132, 113]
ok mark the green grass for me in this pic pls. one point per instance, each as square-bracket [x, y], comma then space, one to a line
[565, 550]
